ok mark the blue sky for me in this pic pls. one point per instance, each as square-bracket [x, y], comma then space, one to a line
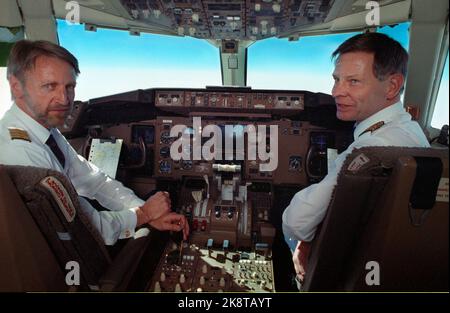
[106, 47]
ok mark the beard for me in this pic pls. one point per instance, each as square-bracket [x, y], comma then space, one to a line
[47, 117]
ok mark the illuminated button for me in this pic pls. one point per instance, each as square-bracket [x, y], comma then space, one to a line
[195, 225]
[276, 8]
[203, 225]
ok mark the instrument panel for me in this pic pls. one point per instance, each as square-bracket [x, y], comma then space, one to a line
[188, 268]
[290, 160]
[228, 19]
[223, 153]
[297, 148]
[212, 99]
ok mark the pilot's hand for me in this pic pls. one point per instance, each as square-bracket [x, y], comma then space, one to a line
[300, 259]
[172, 221]
[156, 206]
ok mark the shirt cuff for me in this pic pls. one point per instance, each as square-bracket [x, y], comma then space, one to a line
[129, 223]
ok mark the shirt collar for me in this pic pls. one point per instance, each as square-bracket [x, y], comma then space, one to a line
[39, 131]
[386, 115]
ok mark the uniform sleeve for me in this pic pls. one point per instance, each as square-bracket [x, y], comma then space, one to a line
[111, 225]
[309, 206]
[91, 182]
[307, 209]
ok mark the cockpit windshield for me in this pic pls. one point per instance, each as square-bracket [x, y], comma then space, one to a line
[123, 62]
[305, 64]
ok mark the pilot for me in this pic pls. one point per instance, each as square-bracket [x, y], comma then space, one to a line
[42, 77]
[369, 76]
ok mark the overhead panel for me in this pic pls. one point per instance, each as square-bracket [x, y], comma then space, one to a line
[229, 20]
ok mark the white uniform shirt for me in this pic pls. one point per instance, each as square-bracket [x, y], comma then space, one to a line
[88, 180]
[308, 207]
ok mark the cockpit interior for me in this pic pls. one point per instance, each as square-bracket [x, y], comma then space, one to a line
[232, 157]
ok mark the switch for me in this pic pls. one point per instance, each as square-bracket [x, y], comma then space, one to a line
[226, 244]
[203, 225]
[209, 245]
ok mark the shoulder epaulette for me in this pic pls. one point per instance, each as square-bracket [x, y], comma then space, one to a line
[373, 128]
[18, 133]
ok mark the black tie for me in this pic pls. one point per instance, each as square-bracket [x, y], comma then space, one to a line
[51, 142]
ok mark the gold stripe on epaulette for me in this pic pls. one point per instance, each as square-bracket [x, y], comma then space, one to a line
[373, 128]
[18, 133]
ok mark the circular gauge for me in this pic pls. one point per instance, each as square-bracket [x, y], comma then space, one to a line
[165, 167]
[186, 165]
[164, 152]
[295, 163]
[165, 138]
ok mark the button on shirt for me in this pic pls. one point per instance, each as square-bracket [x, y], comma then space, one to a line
[117, 223]
[308, 207]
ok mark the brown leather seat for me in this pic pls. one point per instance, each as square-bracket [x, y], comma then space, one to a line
[34, 255]
[381, 213]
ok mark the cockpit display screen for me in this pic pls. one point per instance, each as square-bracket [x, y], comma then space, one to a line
[146, 132]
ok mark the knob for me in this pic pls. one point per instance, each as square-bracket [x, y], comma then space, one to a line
[162, 277]
[204, 269]
[182, 278]
[177, 288]
[222, 282]
[157, 287]
[202, 280]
